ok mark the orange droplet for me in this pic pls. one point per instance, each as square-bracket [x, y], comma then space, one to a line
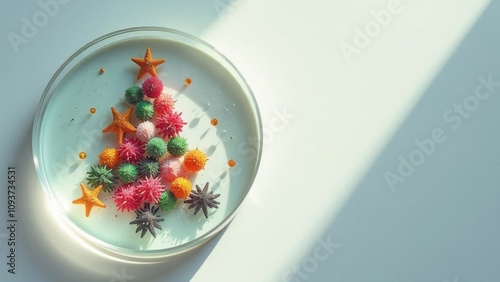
[214, 122]
[231, 163]
[101, 71]
[187, 81]
[82, 155]
[92, 110]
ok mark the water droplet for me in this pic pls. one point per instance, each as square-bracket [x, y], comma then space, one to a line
[229, 107]
[206, 106]
[221, 133]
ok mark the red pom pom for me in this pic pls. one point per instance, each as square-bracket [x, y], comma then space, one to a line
[164, 104]
[152, 87]
[170, 124]
[131, 150]
[125, 198]
[149, 189]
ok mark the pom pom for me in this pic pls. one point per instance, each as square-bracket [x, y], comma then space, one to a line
[181, 187]
[144, 110]
[167, 201]
[125, 198]
[177, 146]
[164, 104]
[100, 175]
[127, 173]
[134, 94]
[145, 131]
[152, 87]
[156, 147]
[149, 189]
[195, 160]
[131, 150]
[109, 157]
[170, 169]
[149, 167]
[170, 124]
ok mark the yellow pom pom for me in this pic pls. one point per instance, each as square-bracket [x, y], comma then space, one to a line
[181, 187]
[109, 157]
[195, 160]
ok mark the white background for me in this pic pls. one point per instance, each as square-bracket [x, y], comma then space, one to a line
[336, 123]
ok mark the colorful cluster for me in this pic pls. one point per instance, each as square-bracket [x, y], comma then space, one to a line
[151, 166]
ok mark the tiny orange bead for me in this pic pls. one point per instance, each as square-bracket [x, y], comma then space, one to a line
[231, 163]
[214, 122]
[187, 81]
[92, 110]
[101, 71]
[82, 155]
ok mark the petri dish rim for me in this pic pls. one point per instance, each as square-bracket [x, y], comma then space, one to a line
[148, 32]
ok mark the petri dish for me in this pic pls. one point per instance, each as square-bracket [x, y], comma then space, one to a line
[76, 106]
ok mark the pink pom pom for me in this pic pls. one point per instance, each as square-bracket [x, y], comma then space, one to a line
[149, 189]
[131, 150]
[145, 131]
[152, 87]
[164, 104]
[125, 198]
[170, 124]
[170, 169]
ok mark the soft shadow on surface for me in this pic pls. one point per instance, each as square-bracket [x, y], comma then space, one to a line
[48, 248]
[441, 223]
[55, 251]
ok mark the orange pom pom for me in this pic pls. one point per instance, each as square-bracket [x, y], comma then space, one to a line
[195, 160]
[181, 187]
[109, 157]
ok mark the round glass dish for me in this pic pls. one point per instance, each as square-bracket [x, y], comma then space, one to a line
[76, 106]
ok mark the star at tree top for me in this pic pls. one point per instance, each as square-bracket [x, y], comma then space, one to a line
[147, 64]
[120, 123]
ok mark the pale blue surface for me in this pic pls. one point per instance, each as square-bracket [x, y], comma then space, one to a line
[439, 225]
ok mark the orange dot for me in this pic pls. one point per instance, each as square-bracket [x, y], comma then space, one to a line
[92, 110]
[101, 71]
[231, 163]
[187, 81]
[82, 155]
[214, 122]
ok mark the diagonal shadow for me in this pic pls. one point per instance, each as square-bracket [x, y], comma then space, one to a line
[438, 222]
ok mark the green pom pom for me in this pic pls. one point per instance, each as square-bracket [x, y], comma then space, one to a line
[156, 147]
[149, 167]
[127, 173]
[144, 110]
[177, 146]
[134, 94]
[100, 175]
[167, 201]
